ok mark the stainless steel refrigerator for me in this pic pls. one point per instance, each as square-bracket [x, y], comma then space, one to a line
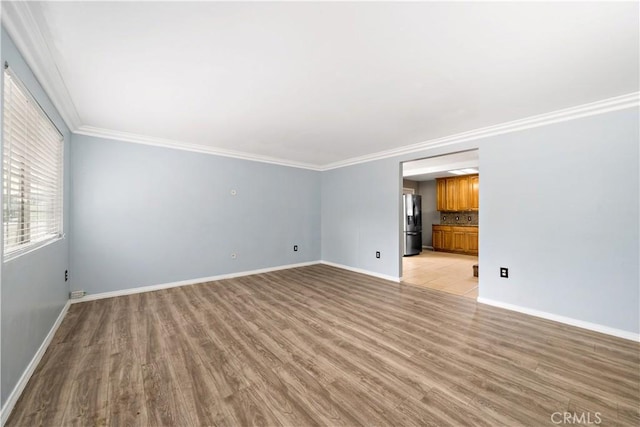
[412, 224]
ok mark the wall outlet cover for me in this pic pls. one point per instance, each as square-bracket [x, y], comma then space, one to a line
[377, 254]
[504, 272]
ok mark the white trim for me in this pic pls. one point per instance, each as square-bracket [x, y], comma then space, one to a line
[562, 319]
[29, 35]
[24, 24]
[362, 271]
[31, 367]
[406, 190]
[599, 107]
[622, 102]
[151, 288]
[180, 145]
[31, 248]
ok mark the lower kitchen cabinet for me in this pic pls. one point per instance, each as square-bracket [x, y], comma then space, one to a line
[450, 238]
[436, 236]
[472, 241]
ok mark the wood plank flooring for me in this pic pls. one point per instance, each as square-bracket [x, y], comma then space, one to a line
[322, 346]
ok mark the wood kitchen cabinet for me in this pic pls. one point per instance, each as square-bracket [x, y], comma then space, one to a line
[437, 237]
[451, 194]
[441, 196]
[449, 238]
[459, 239]
[474, 189]
[472, 240]
[459, 193]
[461, 202]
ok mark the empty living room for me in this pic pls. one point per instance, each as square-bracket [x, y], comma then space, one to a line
[204, 217]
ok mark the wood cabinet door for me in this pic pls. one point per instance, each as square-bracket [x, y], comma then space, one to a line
[447, 239]
[459, 241]
[451, 194]
[462, 193]
[441, 194]
[437, 239]
[472, 241]
[474, 189]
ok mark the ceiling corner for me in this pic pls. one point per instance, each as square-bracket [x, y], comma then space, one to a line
[30, 36]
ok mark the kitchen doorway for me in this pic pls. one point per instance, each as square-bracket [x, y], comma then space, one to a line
[441, 203]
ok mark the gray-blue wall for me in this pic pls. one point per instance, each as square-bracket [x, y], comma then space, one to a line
[430, 214]
[559, 207]
[361, 207]
[144, 215]
[32, 285]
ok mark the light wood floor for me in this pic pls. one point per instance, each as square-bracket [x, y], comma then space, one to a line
[322, 346]
[443, 271]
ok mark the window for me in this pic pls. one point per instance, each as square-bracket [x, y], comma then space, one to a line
[31, 171]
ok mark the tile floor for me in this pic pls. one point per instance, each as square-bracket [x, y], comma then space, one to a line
[452, 273]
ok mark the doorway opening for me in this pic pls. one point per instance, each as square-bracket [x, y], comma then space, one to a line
[440, 226]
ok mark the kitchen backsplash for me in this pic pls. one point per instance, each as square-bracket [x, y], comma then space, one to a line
[459, 218]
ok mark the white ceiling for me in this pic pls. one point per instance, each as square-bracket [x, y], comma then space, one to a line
[438, 167]
[318, 83]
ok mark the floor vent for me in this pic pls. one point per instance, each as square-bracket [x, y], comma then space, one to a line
[76, 294]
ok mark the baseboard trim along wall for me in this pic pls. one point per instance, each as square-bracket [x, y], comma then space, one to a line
[362, 271]
[31, 367]
[151, 288]
[141, 289]
[562, 319]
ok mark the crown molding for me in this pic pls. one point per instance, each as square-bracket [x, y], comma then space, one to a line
[599, 107]
[185, 146]
[28, 34]
[594, 108]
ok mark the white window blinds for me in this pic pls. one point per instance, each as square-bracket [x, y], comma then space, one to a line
[31, 170]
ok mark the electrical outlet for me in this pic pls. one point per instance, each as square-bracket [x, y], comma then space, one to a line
[504, 272]
[377, 254]
[295, 248]
[66, 275]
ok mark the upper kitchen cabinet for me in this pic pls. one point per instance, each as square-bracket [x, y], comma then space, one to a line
[451, 195]
[462, 194]
[474, 185]
[441, 195]
[458, 193]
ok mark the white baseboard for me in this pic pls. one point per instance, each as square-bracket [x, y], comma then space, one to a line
[31, 367]
[142, 289]
[362, 271]
[562, 319]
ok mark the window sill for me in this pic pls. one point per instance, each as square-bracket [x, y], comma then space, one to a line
[30, 249]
